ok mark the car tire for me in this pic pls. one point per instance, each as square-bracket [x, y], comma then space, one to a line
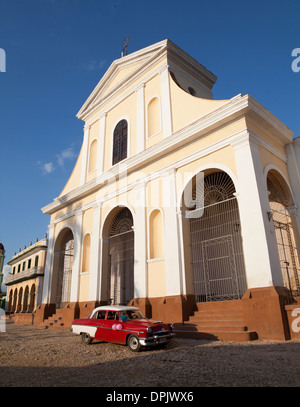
[86, 338]
[134, 343]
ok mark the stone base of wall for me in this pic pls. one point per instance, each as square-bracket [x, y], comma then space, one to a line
[293, 315]
[266, 311]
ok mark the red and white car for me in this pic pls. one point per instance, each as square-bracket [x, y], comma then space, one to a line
[124, 325]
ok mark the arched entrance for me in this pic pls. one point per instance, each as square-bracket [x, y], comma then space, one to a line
[62, 268]
[32, 298]
[214, 241]
[120, 257]
[25, 300]
[286, 230]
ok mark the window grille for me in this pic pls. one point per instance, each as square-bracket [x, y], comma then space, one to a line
[121, 259]
[216, 242]
[120, 142]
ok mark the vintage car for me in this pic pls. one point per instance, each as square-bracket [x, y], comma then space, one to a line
[123, 325]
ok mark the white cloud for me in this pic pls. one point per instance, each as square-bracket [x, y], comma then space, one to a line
[94, 65]
[65, 154]
[48, 168]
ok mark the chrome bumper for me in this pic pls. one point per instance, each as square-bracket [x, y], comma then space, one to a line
[156, 339]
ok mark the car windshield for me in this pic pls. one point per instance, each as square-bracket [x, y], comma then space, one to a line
[131, 314]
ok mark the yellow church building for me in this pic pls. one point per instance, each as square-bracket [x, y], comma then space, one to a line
[178, 203]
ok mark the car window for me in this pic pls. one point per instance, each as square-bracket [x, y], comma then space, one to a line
[101, 314]
[131, 314]
[112, 315]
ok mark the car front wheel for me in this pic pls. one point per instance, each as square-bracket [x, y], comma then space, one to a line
[86, 338]
[133, 343]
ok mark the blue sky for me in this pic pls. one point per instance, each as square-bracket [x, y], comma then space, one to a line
[58, 50]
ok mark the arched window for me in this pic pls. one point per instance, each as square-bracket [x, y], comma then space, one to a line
[93, 156]
[153, 117]
[86, 253]
[155, 235]
[120, 142]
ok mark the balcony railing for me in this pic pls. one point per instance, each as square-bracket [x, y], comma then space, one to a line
[24, 275]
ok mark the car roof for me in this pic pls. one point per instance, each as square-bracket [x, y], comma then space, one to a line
[114, 308]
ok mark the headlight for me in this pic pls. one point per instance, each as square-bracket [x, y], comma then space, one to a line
[149, 330]
[172, 327]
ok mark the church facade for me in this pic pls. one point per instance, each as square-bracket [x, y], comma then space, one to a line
[175, 199]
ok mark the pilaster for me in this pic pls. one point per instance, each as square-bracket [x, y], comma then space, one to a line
[94, 288]
[101, 144]
[140, 94]
[48, 266]
[76, 258]
[166, 102]
[84, 154]
[259, 241]
[171, 236]
[140, 264]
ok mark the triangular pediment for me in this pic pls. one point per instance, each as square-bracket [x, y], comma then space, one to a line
[119, 74]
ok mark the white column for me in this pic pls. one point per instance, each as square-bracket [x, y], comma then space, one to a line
[181, 252]
[48, 273]
[38, 295]
[140, 264]
[101, 144]
[95, 256]
[166, 102]
[259, 241]
[140, 133]
[76, 258]
[84, 154]
[171, 236]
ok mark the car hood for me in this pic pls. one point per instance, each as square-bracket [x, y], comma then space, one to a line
[155, 325]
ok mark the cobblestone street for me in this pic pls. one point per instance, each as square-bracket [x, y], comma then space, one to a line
[35, 357]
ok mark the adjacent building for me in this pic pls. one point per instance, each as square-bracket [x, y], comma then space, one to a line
[25, 282]
[2, 294]
[176, 199]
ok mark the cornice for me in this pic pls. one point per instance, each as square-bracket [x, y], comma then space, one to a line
[24, 254]
[238, 106]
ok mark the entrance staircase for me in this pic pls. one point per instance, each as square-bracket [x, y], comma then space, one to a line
[55, 321]
[222, 320]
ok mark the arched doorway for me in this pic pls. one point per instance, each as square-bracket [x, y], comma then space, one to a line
[286, 230]
[10, 302]
[25, 300]
[15, 300]
[62, 268]
[32, 298]
[20, 300]
[120, 257]
[214, 240]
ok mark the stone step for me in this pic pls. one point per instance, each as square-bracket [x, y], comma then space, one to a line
[211, 327]
[216, 318]
[220, 313]
[232, 305]
[235, 336]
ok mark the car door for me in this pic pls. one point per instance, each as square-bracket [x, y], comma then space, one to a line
[113, 328]
[98, 321]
